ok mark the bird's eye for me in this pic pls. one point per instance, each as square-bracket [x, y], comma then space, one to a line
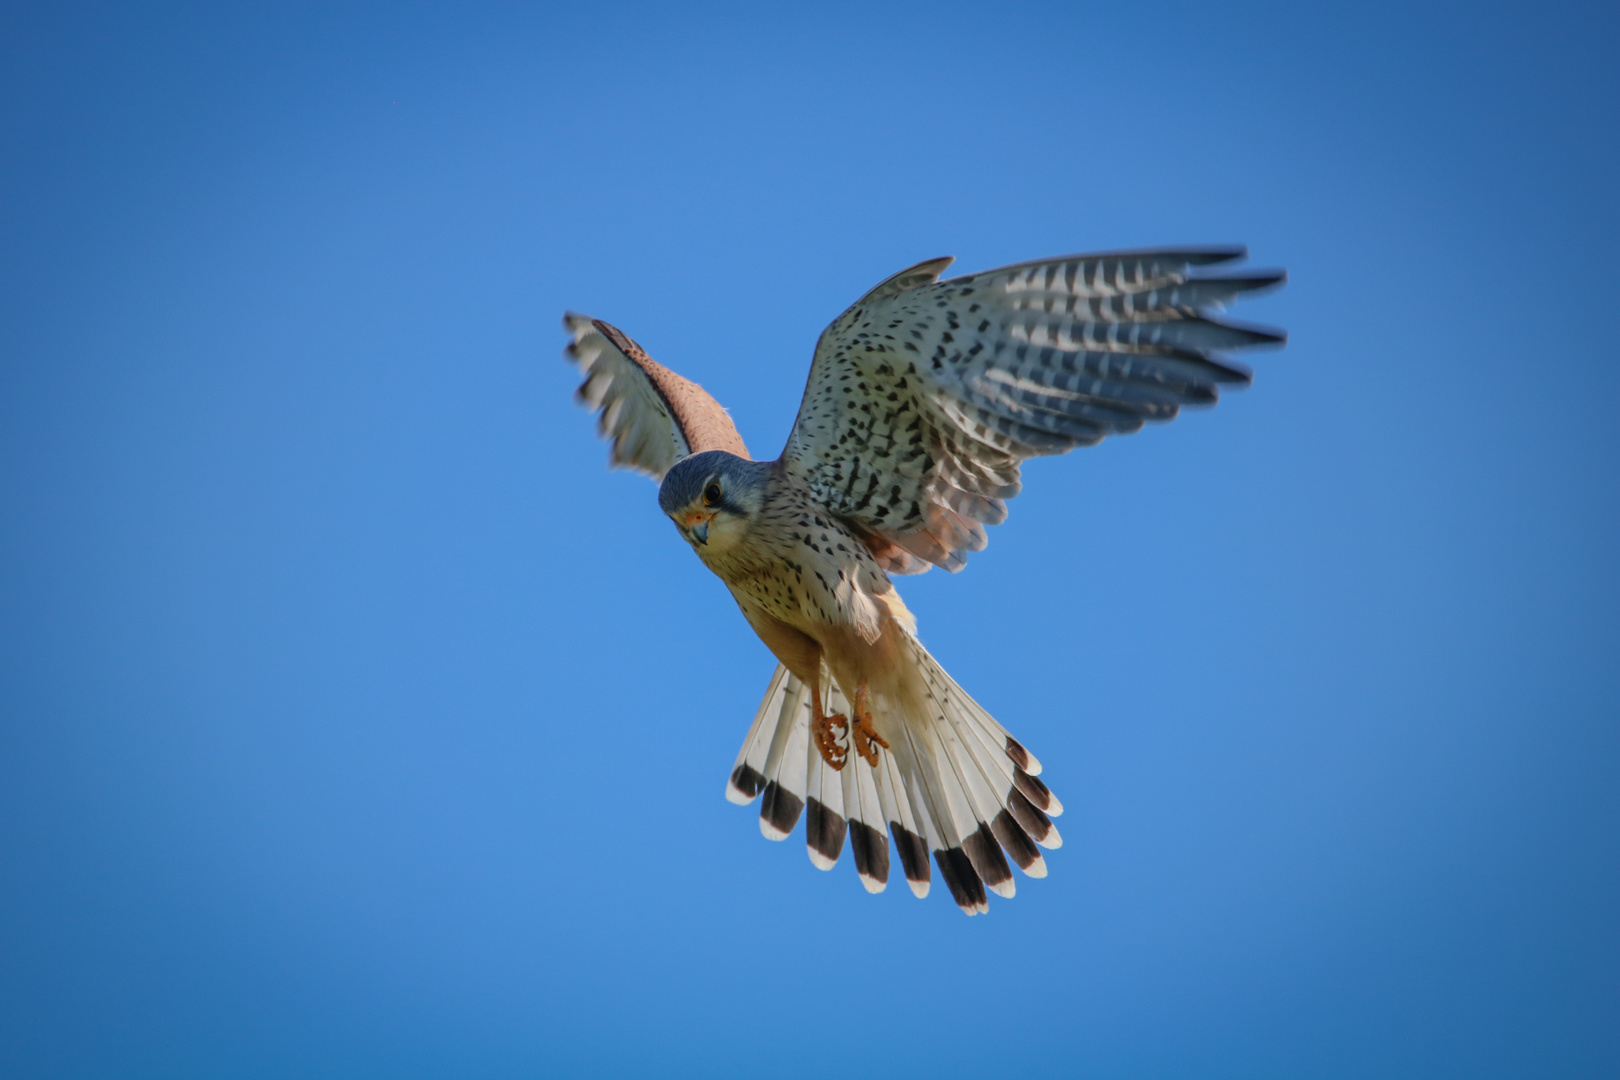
[711, 495]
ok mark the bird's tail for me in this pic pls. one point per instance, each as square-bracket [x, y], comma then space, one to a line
[953, 782]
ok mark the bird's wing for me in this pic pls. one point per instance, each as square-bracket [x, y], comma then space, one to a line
[925, 395]
[654, 417]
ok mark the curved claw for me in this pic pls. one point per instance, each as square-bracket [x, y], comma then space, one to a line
[828, 743]
[865, 736]
[867, 740]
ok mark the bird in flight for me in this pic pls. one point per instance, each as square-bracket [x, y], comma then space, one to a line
[923, 398]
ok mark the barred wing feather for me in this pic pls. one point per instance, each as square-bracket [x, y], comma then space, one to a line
[925, 396]
[653, 416]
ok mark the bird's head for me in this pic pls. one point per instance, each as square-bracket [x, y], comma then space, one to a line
[712, 496]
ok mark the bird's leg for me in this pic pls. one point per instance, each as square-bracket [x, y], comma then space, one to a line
[821, 727]
[864, 734]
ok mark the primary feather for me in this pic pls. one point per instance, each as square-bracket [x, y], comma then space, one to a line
[925, 395]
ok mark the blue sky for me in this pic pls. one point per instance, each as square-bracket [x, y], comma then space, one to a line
[355, 721]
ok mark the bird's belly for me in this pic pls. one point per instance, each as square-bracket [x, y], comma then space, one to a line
[799, 652]
[854, 660]
[821, 599]
[803, 642]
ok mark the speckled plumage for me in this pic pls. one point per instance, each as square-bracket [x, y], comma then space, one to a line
[922, 399]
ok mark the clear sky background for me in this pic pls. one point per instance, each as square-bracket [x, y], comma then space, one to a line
[358, 722]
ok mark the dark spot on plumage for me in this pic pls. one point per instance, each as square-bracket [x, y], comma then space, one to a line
[824, 829]
[1037, 793]
[966, 888]
[913, 852]
[985, 854]
[748, 780]
[1016, 842]
[1031, 820]
[871, 851]
[1016, 751]
[780, 807]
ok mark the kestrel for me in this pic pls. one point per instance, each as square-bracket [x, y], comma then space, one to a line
[923, 398]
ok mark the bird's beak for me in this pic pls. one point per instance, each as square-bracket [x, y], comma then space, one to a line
[698, 526]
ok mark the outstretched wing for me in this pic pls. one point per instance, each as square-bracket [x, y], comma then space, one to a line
[654, 417]
[925, 395]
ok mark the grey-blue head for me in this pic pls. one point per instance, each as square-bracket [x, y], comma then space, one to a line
[712, 496]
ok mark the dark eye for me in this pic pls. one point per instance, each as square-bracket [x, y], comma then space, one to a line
[711, 494]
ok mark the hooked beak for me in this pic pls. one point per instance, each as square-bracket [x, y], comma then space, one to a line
[698, 526]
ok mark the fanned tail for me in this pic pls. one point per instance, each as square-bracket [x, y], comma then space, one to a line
[953, 782]
[773, 757]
